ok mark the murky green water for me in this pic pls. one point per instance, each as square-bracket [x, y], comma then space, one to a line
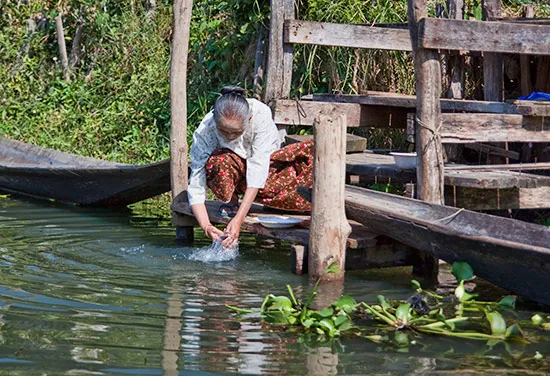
[103, 292]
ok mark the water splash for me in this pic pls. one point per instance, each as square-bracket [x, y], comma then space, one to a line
[216, 253]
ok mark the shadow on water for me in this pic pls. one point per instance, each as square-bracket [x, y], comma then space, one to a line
[95, 291]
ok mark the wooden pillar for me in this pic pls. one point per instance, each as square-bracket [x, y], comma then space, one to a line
[329, 227]
[524, 60]
[492, 62]
[429, 164]
[279, 57]
[62, 46]
[429, 170]
[456, 62]
[178, 102]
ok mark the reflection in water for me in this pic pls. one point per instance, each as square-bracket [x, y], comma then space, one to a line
[103, 292]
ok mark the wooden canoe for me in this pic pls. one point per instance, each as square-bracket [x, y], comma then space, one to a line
[68, 178]
[509, 253]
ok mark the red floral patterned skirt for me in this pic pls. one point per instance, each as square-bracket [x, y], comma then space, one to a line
[290, 167]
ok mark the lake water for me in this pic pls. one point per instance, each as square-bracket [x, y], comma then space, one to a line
[101, 292]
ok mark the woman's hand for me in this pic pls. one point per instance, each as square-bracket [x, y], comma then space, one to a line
[212, 232]
[232, 231]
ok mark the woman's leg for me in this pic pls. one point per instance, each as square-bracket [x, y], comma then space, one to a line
[226, 175]
[291, 166]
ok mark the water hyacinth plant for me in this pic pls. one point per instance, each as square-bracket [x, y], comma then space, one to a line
[425, 312]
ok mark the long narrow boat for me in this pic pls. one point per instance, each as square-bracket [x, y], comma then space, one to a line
[510, 253]
[50, 174]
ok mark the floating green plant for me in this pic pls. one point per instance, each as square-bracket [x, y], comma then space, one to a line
[425, 312]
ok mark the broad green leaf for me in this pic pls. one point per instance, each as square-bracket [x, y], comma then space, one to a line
[383, 302]
[328, 326]
[401, 338]
[333, 268]
[339, 320]
[498, 325]
[403, 313]
[416, 284]
[462, 271]
[514, 332]
[326, 312]
[462, 295]
[537, 319]
[345, 303]
[508, 301]
[280, 303]
[307, 323]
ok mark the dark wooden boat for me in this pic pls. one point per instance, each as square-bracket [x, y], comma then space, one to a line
[509, 253]
[49, 174]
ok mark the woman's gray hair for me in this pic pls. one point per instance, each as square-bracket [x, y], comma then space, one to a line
[231, 104]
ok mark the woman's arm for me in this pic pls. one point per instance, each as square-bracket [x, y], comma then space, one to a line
[201, 215]
[233, 228]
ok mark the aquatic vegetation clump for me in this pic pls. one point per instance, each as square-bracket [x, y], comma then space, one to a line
[425, 312]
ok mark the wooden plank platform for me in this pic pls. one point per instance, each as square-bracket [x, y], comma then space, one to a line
[360, 237]
[483, 177]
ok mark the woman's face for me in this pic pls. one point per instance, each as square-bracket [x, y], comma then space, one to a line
[231, 129]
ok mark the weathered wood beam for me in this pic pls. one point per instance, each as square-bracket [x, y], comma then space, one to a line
[303, 113]
[494, 150]
[488, 36]
[409, 101]
[429, 170]
[329, 228]
[178, 106]
[524, 60]
[493, 63]
[346, 35]
[532, 108]
[465, 128]
[62, 46]
[280, 54]
[504, 167]
[495, 199]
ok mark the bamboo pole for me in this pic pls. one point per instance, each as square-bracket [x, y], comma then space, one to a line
[429, 170]
[329, 227]
[178, 101]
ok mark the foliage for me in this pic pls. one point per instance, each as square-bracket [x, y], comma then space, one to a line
[460, 316]
[116, 104]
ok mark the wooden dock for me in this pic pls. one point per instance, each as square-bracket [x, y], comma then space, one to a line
[366, 249]
[484, 187]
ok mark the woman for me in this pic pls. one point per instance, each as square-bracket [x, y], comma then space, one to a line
[236, 151]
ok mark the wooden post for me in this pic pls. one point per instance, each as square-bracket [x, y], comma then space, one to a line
[329, 227]
[62, 46]
[457, 69]
[178, 101]
[429, 164]
[492, 62]
[279, 58]
[524, 60]
[429, 170]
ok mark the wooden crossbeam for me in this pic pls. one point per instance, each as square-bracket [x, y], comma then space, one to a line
[345, 35]
[487, 36]
[449, 105]
[302, 113]
[465, 128]
[494, 199]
